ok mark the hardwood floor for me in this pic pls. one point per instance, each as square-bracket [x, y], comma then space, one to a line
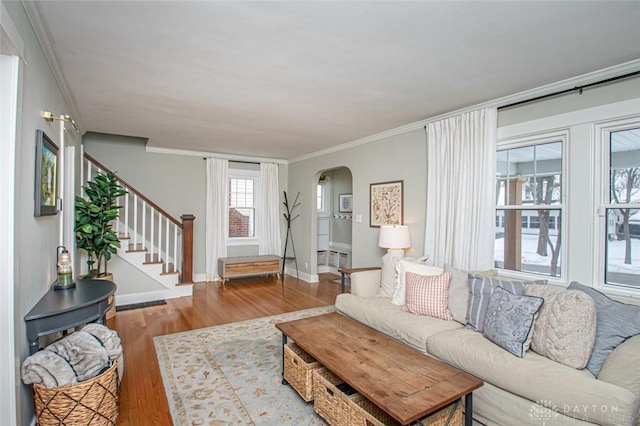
[142, 396]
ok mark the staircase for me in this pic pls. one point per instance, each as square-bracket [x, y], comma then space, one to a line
[151, 240]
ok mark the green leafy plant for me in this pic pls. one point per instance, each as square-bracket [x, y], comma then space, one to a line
[94, 217]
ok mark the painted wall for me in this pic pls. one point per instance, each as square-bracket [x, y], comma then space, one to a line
[177, 183]
[36, 239]
[400, 157]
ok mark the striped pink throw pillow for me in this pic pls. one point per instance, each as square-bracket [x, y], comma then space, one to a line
[428, 295]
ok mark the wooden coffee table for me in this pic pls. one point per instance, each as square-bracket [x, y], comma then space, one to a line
[406, 384]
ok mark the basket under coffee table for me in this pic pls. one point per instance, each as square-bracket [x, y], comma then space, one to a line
[404, 383]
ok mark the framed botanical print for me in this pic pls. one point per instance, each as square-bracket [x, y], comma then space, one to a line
[386, 203]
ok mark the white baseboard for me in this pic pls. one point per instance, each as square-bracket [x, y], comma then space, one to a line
[303, 275]
[177, 291]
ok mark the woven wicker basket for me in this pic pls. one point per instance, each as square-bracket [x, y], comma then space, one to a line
[298, 370]
[92, 402]
[363, 412]
[329, 401]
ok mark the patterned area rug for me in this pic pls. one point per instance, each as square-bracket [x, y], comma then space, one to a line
[232, 374]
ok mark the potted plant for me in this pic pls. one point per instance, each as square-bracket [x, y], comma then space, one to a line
[93, 222]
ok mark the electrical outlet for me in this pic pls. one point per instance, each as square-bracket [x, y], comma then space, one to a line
[306, 265]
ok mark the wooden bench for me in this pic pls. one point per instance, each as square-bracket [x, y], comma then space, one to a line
[247, 266]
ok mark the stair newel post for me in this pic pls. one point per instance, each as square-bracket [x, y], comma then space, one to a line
[187, 248]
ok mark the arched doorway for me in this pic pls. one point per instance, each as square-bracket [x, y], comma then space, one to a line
[334, 210]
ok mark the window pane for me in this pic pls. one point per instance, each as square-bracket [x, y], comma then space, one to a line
[623, 247]
[529, 175]
[625, 166]
[534, 249]
[241, 222]
[241, 208]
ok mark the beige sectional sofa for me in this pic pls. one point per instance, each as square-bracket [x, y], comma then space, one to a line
[533, 390]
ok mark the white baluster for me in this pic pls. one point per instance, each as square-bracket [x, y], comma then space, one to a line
[166, 246]
[144, 223]
[151, 249]
[159, 237]
[175, 247]
[135, 221]
[126, 213]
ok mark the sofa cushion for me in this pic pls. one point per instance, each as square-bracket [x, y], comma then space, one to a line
[565, 330]
[388, 276]
[399, 294]
[536, 378]
[509, 320]
[382, 315]
[428, 295]
[459, 291]
[616, 322]
[481, 288]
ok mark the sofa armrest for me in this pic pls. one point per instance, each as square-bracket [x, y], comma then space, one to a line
[622, 367]
[365, 283]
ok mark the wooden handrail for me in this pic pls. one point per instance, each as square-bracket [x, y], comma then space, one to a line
[135, 191]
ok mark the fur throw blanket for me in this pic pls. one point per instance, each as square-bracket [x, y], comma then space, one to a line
[76, 357]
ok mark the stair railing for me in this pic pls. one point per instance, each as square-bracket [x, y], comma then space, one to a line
[149, 228]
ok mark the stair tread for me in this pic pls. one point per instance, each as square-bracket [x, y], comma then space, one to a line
[170, 273]
[153, 262]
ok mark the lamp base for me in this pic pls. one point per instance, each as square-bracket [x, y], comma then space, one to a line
[397, 253]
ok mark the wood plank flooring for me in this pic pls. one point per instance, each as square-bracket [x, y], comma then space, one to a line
[142, 396]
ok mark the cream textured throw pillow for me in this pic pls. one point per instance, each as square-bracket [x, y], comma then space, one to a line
[404, 266]
[565, 331]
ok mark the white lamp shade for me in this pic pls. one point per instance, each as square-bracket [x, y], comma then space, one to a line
[394, 237]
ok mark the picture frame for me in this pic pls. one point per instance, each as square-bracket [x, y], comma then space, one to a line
[386, 203]
[345, 203]
[46, 176]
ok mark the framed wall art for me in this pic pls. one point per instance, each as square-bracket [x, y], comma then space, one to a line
[346, 203]
[386, 203]
[46, 179]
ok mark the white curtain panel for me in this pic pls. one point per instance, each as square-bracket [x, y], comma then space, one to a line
[268, 230]
[216, 217]
[461, 166]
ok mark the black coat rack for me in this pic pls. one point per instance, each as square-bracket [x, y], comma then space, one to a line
[290, 218]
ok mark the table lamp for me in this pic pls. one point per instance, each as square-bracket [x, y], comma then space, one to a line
[395, 238]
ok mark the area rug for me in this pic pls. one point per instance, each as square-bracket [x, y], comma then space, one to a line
[232, 374]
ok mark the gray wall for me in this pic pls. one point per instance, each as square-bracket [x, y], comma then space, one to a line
[177, 183]
[400, 157]
[36, 239]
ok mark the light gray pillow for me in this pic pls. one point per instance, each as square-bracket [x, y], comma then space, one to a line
[459, 291]
[481, 288]
[565, 330]
[388, 276]
[509, 320]
[616, 323]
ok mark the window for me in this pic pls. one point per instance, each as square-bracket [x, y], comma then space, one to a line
[242, 203]
[622, 205]
[529, 192]
[321, 194]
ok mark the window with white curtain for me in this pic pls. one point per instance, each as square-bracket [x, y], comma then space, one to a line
[529, 210]
[242, 208]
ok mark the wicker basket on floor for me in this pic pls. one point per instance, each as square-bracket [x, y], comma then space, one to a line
[91, 402]
[363, 412]
[329, 401]
[298, 370]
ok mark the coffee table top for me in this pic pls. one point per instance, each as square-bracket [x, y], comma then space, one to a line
[405, 383]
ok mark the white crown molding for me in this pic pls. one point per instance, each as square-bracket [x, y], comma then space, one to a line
[570, 83]
[11, 33]
[206, 154]
[43, 34]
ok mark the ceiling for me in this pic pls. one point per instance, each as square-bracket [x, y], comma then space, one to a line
[286, 79]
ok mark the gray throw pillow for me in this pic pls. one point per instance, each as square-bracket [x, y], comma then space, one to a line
[509, 320]
[459, 291]
[616, 322]
[481, 288]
